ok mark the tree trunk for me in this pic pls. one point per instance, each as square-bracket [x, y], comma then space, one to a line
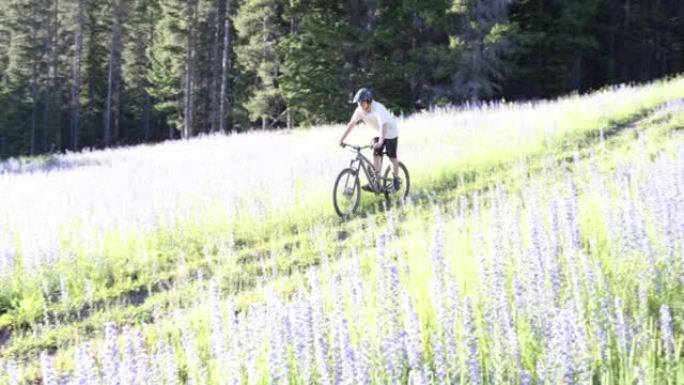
[147, 134]
[627, 12]
[51, 43]
[111, 131]
[577, 73]
[76, 78]
[34, 99]
[34, 89]
[678, 54]
[537, 87]
[225, 67]
[189, 71]
[147, 99]
[217, 52]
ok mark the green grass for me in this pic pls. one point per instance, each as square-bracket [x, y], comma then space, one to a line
[140, 274]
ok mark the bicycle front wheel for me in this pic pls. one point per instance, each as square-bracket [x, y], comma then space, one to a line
[392, 194]
[347, 193]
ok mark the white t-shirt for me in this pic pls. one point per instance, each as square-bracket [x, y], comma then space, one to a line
[377, 116]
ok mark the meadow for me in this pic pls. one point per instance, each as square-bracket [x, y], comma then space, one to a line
[542, 244]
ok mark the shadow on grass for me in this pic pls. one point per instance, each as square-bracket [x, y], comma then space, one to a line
[44, 164]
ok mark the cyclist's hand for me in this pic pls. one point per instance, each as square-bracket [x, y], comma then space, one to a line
[341, 144]
[378, 144]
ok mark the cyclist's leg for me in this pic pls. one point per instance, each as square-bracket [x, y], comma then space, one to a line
[392, 154]
[377, 156]
[395, 166]
[377, 162]
[392, 145]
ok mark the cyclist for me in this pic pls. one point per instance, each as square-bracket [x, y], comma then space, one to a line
[374, 114]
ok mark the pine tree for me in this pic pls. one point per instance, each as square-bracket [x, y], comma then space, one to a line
[558, 46]
[75, 95]
[95, 72]
[167, 63]
[260, 30]
[481, 44]
[27, 54]
[112, 107]
[313, 77]
[137, 104]
[576, 41]
[226, 67]
[173, 64]
[217, 17]
[5, 38]
[52, 101]
[190, 68]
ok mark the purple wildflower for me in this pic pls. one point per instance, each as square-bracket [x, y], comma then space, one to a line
[667, 332]
[622, 328]
[128, 366]
[195, 369]
[356, 291]
[394, 355]
[438, 359]
[519, 290]
[300, 318]
[391, 302]
[362, 364]
[85, 372]
[110, 356]
[566, 359]
[473, 360]
[641, 376]
[278, 363]
[338, 313]
[255, 334]
[233, 353]
[525, 378]
[571, 215]
[347, 375]
[14, 373]
[142, 362]
[47, 369]
[318, 327]
[413, 340]
[218, 337]
[167, 358]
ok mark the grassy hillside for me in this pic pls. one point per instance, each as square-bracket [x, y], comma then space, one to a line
[542, 244]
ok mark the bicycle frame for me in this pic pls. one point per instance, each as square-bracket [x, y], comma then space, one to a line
[347, 194]
[360, 160]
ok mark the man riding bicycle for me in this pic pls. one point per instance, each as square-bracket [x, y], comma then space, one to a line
[377, 116]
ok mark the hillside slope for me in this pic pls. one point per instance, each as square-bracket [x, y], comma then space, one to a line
[532, 227]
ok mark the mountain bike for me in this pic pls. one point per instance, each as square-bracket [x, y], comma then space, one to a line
[347, 190]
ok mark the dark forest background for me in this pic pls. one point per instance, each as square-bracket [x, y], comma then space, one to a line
[100, 73]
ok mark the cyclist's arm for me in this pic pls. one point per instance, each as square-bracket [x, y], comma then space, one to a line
[383, 133]
[347, 131]
[353, 122]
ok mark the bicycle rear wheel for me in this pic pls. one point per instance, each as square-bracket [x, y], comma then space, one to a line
[346, 193]
[392, 194]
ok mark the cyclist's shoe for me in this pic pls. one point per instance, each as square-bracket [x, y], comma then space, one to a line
[396, 183]
[367, 187]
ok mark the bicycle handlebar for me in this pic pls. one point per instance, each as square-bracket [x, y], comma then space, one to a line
[357, 148]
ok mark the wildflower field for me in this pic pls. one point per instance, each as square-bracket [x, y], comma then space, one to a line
[542, 243]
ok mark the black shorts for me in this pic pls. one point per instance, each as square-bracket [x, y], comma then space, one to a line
[389, 144]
